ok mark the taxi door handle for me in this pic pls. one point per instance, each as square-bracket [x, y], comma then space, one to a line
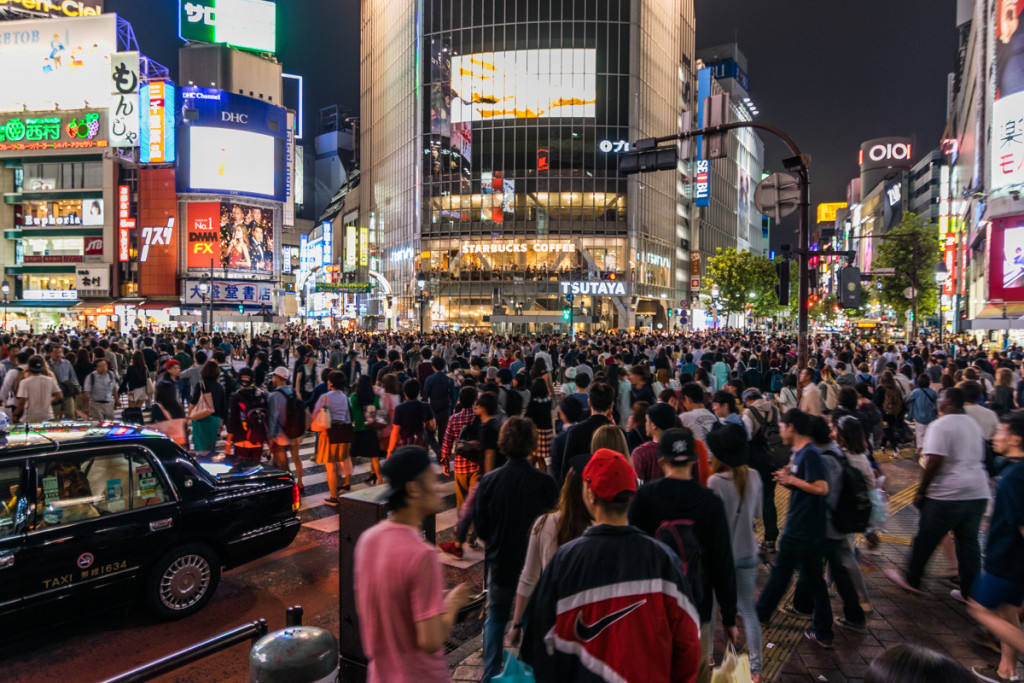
[161, 524]
[6, 561]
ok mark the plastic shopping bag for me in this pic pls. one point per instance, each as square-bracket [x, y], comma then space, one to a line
[514, 671]
[733, 669]
[879, 508]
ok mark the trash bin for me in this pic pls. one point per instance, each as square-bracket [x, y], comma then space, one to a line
[296, 654]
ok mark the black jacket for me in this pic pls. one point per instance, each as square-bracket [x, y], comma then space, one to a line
[578, 441]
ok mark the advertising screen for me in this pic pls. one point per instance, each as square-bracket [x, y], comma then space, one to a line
[231, 161]
[1006, 260]
[156, 133]
[1008, 108]
[233, 236]
[248, 24]
[523, 84]
[56, 63]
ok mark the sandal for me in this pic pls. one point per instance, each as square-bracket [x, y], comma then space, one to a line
[332, 501]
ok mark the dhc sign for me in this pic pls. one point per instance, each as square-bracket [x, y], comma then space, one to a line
[594, 288]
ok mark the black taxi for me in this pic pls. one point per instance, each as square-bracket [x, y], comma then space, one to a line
[97, 514]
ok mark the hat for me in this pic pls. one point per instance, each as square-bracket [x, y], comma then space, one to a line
[281, 371]
[728, 443]
[752, 394]
[404, 465]
[36, 364]
[492, 372]
[677, 446]
[662, 415]
[246, 376]
[171, 363]
[570, 373]
[608, 474]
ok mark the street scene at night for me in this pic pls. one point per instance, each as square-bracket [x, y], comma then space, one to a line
[403, 341]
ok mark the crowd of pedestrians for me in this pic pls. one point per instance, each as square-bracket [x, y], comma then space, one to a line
[615, 482]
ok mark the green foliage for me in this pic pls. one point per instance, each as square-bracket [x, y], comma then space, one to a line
[899, 254]
[743, 278]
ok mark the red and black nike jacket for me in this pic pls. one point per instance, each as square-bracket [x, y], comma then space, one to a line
[612, 606]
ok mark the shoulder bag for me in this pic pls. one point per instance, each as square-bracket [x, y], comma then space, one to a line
[174, 428]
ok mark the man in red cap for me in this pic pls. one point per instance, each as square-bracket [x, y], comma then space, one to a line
[614, 604]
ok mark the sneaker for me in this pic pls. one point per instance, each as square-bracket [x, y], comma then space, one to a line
[812, 636]
[991, 674]
[847, 624]
[957, 595]
[332, 501]
[871, 538]
[794, 612]
[451, 549]
[901, 581]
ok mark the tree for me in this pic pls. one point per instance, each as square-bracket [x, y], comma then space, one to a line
[897, 251]
[743, 278]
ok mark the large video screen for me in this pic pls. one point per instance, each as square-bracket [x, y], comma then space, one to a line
[230, 235]
[523, 84]
[1006, 260]
[53, 64]
[222, 159]
[1007, 157]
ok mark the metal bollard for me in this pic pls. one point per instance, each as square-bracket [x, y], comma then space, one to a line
[296, 654]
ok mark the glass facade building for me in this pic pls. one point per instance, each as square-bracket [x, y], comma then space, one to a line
[489, 144]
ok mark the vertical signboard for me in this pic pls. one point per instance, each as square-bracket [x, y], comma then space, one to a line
[124, 99]
[124, 223]
[364, 246]
[286, 260]
[1007, 153]
[327, 245]
[702, 191]
[350, 245]
[158, 219]
[949, 257]
[288, 214]
[156, 137]
[303, 253]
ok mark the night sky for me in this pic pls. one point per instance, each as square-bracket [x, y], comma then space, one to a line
[831, 74]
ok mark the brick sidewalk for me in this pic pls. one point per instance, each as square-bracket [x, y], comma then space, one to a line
[934, 620]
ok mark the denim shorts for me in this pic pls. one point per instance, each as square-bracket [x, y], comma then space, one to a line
[991, 591]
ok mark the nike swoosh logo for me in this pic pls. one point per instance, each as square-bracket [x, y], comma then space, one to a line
[587, 633]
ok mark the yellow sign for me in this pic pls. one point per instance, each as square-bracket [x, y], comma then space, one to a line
[364, 246]
[59, 8]
[827, 212]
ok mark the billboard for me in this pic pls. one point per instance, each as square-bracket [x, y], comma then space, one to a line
[246, 24]
[157, 228]
[52, 64]
[1008, 108]
[57, 8]
[231, 292]
[124, 99]
[1006, 259]
[523, 84]
[231, 144]
[156, 134]
[230, 235]
[43, 131]
[60, 213]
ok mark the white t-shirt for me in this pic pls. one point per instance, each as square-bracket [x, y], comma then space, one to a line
[962, 475]
[699, 422]
[37, 390]
[988, 421]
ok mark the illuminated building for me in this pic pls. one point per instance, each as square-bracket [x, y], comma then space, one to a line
[489, 139]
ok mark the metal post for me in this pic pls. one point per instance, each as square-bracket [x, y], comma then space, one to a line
[804, 237]
[917, 287]
[210, 330]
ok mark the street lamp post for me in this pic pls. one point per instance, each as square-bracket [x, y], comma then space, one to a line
[715, 291]
[6, 289]
[204, 289]
[421, 284]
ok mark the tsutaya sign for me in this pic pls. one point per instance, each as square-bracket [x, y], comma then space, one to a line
[518, 248]
[600, 288]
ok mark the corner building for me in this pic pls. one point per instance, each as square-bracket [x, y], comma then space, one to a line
[489, 144]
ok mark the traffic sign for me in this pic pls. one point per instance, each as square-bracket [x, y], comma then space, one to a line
[883, 271]
[777, 195]
[569, 297]
[682, 303]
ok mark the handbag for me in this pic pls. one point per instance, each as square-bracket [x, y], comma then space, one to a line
[322, 420]
[203, 408]
[376, 419]
[514, 671]
[733, 669]
[150, 388]
[340, 432]
[174, 428]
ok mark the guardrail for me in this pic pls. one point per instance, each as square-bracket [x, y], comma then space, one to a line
[252, 632]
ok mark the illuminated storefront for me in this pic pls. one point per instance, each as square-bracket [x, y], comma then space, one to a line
[496, 177]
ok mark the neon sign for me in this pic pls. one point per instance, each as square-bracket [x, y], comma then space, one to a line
[51, 132]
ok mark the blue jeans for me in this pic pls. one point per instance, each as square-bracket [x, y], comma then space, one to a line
[939, 517]
[499, 609]
[746, 578]
[808, 558]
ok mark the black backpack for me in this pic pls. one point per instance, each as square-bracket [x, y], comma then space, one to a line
[468, 444]
[678, 534]
[768, 440]
[254, 416]
[294, 416]
[852, 510]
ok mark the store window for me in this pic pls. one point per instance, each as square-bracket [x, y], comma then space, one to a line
[53, 249]
[62, 212]
[47, 177]
[64, 281]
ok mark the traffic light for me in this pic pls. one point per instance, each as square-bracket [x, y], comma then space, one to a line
[782, 289]
[849, 287]
[670, 312]
[241, 308]
[567, 313]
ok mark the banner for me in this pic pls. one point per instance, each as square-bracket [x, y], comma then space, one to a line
[124, 99]
[231, 292]
[203, 240]
[246, 238]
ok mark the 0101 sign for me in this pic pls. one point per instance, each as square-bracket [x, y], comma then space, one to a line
[607, 146]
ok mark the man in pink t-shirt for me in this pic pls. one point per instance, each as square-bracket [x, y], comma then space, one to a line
[404, 615]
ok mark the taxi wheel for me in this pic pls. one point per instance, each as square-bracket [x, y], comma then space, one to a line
[183, 581]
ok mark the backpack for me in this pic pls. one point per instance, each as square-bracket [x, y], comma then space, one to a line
[294, 416]
[678, 534]
[254, 419]
[228, 379]
[513, 402]
[852, 510]
[829, 394]
[468, 444]
[768, 440]
[776, 382]
[892, 402]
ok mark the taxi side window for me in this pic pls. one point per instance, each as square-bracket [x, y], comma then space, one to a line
[13, 502]
[147, 482]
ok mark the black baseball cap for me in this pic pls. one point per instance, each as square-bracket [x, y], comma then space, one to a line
[677, 445]
[728, 443]
[246, 376]
[404, 465]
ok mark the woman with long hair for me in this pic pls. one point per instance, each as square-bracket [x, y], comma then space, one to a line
[732, 481]
[539, 410]
[540, 370]
[889, 400]
[390, 391]
[609, 436]
[1002, 398]
[136, 380]
[206, 429]
[365, 404]
[335, 456]
[550, 532]
[636, 428]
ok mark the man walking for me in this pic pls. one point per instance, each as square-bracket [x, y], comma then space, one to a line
[508, 501]
[100, 389]
[36, 393]
[808, 395]
[951, 495]
[67, 380]
[277, 414]
[467, 473]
